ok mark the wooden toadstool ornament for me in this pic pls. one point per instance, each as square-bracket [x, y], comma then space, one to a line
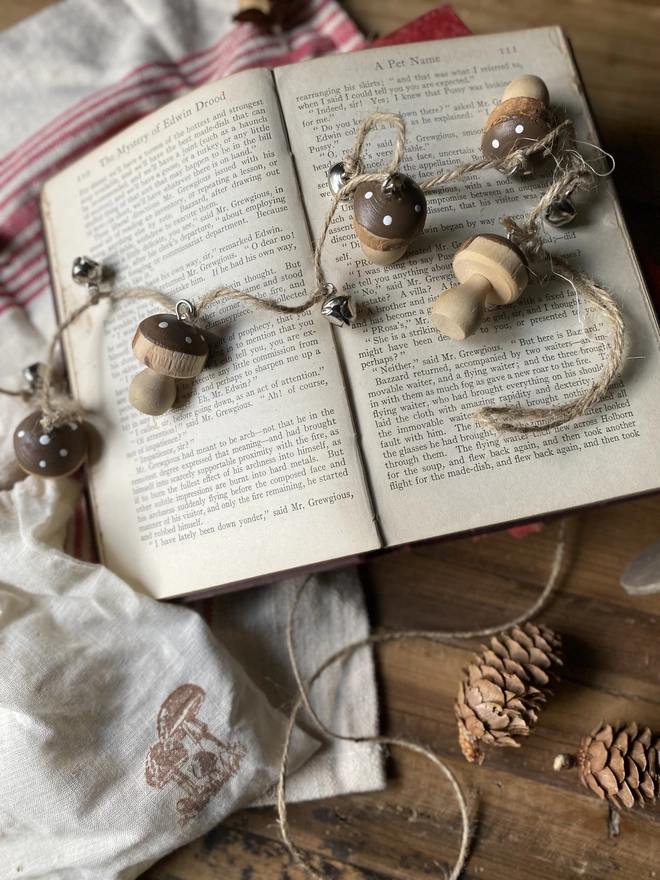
[492, 270]
[522, 117]
[170, 348]
[53, 452]
[387, 217]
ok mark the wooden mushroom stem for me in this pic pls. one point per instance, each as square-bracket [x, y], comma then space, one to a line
[152, 393]
[458, 312]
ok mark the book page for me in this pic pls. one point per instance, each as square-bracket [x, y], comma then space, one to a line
[256, 469]
[433, 470]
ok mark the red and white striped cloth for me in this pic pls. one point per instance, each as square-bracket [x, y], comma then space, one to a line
[75, 75]
[316, 28]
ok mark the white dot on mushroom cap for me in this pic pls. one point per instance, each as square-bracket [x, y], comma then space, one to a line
[188, 339]
[496, 143]
[387, 220]
[42, 463]
[520, 129]
[418, 208]
[74, 427]
[64, 452]
[44, 439]
[21, 434]
[164, 324]
[368, 195]
[202, 338]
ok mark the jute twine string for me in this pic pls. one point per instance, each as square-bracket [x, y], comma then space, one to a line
[558, 570]
[575, 174]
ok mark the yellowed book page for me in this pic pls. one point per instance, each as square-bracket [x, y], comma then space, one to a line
[256, 469]
[432, 469]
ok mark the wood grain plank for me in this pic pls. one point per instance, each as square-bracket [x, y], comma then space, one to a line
[13, 11]
[412, 831]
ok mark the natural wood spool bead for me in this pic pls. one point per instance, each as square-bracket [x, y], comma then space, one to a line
[492, 270]
[57, 452]
[521, 118]
[170, 349]
[387, 217]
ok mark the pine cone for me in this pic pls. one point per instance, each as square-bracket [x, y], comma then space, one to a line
[621, 765]
[505, 688]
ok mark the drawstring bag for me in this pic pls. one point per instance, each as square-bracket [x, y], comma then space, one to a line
[126, 729]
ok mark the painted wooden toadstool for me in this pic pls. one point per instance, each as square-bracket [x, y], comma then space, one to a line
[492, 270]
[521, 118]
[57, 452]
[171, 349]
[388, 216]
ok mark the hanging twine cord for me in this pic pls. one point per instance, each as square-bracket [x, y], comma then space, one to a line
[558, 570]
[574, 174]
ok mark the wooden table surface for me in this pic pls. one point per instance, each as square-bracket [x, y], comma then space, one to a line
[533, 824]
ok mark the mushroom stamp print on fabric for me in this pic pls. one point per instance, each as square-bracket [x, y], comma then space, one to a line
[188, 755]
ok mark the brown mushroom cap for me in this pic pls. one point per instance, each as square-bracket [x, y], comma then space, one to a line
[389, 218]
[169, 346]
[514, 124]
[55, 453]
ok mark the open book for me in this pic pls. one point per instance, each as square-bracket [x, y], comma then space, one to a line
[301, 443]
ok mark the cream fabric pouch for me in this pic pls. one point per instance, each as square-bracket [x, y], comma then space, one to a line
[126, 729]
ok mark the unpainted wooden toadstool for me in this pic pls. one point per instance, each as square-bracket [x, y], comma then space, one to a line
[492, 270]
[387, 217]
[171, 349]
[522, 117]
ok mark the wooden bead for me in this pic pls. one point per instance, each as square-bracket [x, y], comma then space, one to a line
[152, 393]
[527, 86]
[521, 118]
[388, 217]
[492, 270]
[54, 453]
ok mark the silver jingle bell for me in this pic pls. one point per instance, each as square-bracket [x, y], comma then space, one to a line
[338, 176]
[560, 212]
[87, 271]
[34, 374]
[338, 309]
[393, 182]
